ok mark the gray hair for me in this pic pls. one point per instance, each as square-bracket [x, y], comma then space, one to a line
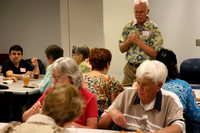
[81, 49]
[67, 66]
[154, 70]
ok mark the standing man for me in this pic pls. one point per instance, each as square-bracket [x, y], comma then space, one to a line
[16, 66]
[141, 39]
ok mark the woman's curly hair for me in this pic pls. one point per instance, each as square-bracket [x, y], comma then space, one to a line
[99, 58]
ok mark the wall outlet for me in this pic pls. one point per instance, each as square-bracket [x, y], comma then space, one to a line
[197, 42]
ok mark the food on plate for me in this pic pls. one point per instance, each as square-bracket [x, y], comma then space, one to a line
[34, 84]
[130, 132]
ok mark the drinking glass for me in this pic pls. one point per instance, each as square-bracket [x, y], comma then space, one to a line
[26, 79]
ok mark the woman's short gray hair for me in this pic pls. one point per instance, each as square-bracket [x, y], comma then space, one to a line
[81, 49]
[66, 66]
[154, 70]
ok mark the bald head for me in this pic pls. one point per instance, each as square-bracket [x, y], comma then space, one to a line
[145, 2]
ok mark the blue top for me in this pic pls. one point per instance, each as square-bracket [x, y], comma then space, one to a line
[47, 82]
[184, 91]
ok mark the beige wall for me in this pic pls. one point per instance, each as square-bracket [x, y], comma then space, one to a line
[86, 23]
[37, 23]
[116, 14]
[178, 21]
[34, 24]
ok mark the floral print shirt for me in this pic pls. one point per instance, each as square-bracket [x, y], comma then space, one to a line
[105, 87]
[149, 34]
[184, 91]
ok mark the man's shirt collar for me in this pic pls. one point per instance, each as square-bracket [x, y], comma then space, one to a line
[158, 101]
[146, 23]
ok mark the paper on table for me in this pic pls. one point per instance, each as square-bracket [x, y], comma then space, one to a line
[8, 81]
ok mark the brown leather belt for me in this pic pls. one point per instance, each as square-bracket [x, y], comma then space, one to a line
[134, 64]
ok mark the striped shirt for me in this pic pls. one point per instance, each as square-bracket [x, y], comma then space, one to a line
[165, 111]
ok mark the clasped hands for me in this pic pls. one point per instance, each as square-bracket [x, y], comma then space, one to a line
[133, 38]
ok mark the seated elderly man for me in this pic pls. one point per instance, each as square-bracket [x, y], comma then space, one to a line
[62, 104]
[149, 108]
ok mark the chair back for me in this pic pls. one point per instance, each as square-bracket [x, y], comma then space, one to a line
[3, 57]
[191, 127]
[190, 70]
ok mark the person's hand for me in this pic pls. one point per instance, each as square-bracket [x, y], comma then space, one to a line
[34, 62]
[14, 79]
[135, 85]
[133, 38]
[30, 73]
[118, 118]
[11, 78]
[194, 94]
[69, 124]
[88, 64]
[36, 108]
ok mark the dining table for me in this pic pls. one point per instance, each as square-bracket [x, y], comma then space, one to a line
[17, 98]
[19, 88]
[84, 130]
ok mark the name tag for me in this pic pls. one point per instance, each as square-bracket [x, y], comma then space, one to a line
[23, 70]
[145, 33]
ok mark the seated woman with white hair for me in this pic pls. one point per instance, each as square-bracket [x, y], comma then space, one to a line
[65, 69]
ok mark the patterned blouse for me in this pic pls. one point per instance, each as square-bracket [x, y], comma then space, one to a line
[184, 91]
[105, 87]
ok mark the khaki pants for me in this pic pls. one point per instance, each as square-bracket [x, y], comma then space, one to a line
[129, 75]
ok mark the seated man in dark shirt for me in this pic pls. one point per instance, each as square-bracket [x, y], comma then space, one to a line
[16, 66]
